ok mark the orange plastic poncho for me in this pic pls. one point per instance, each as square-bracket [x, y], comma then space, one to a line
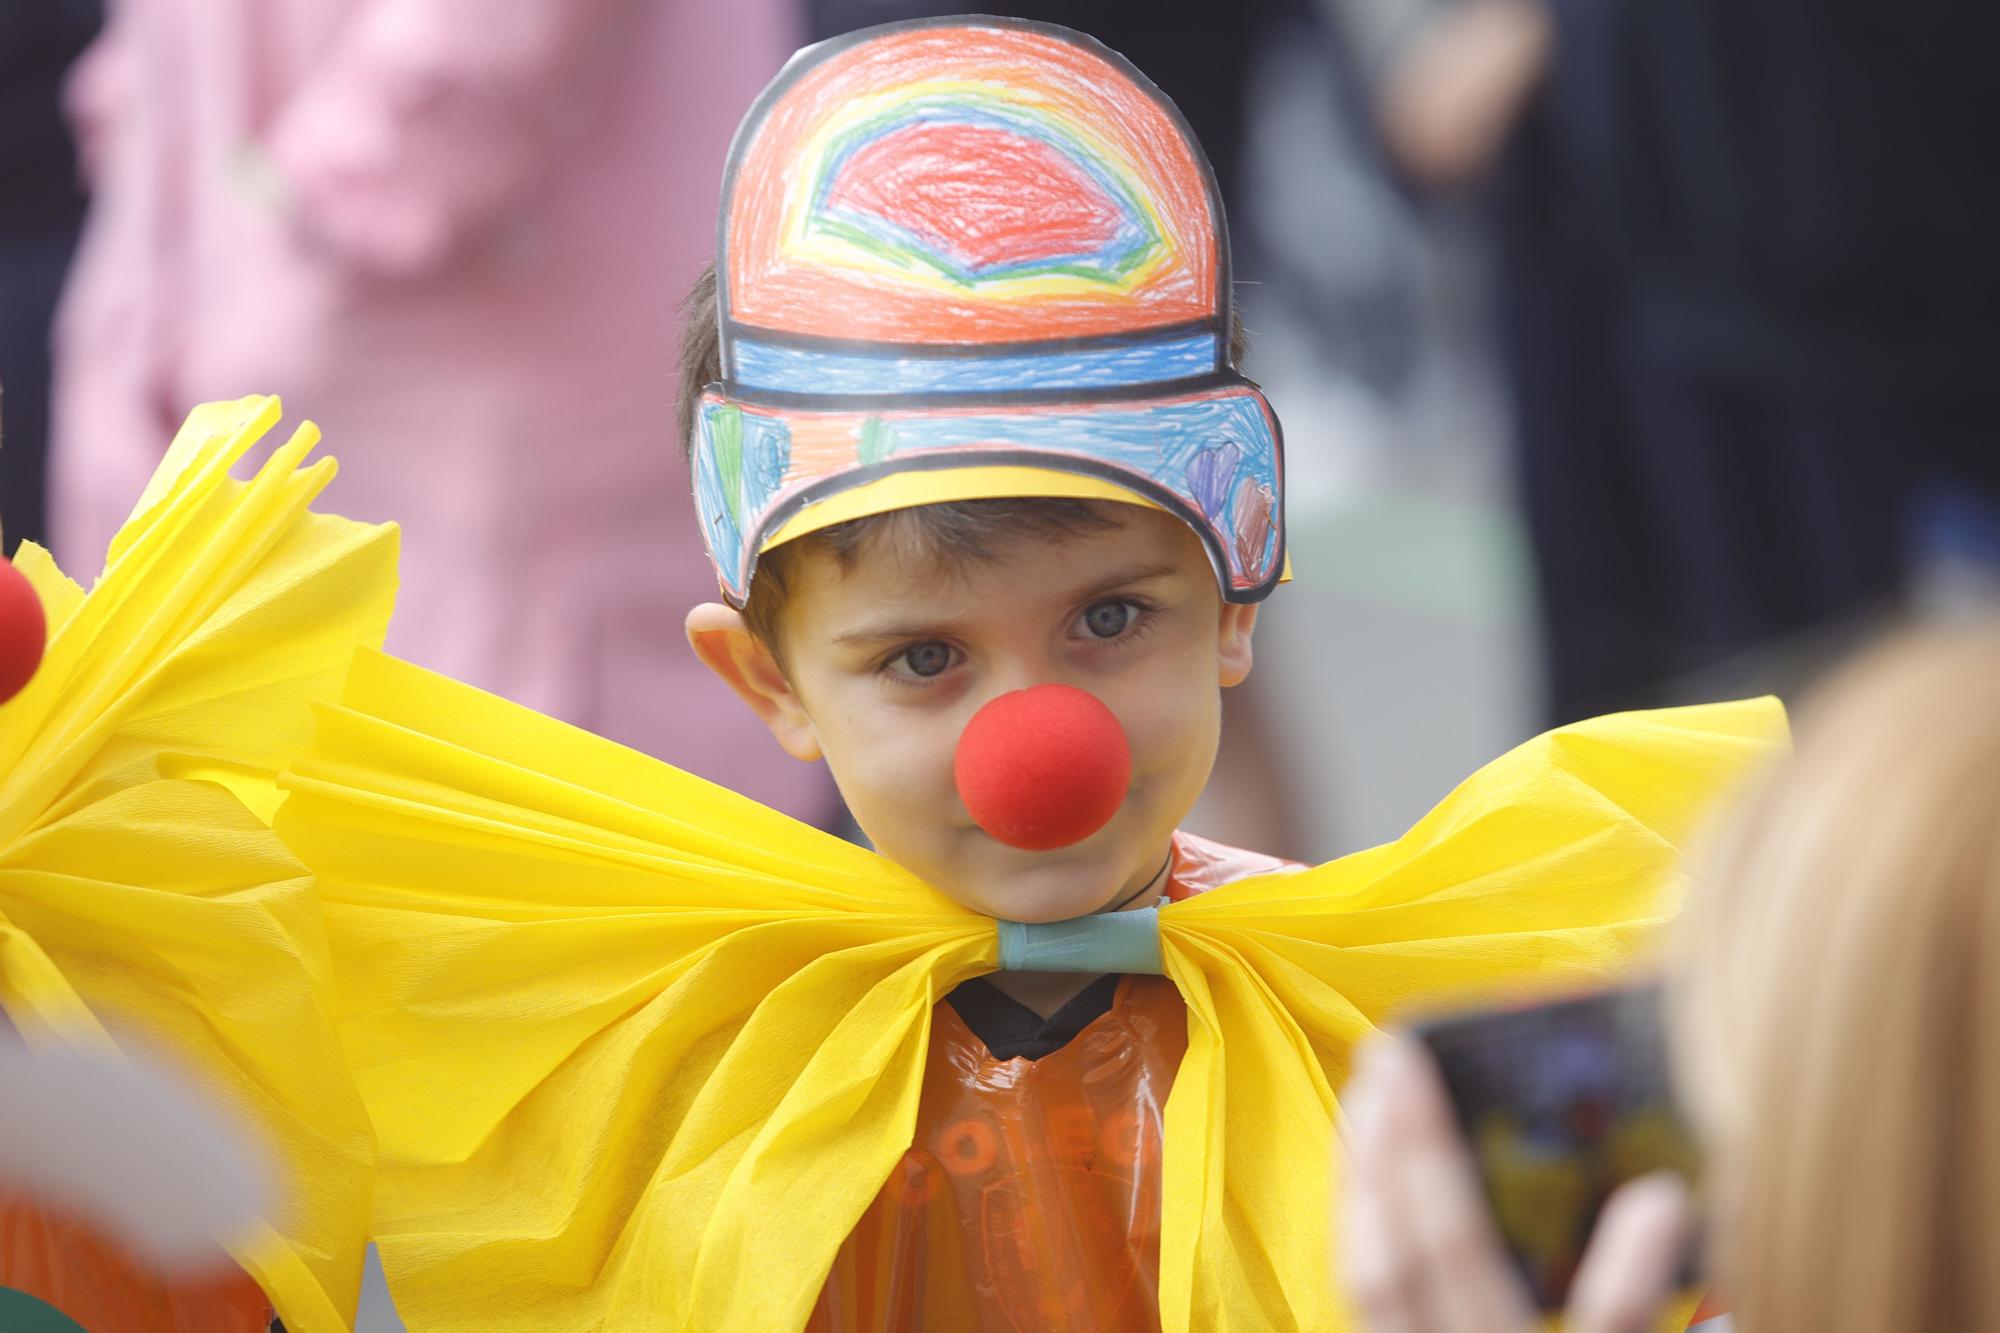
[1030, 1195]
[641, 1053]
[71, 1266]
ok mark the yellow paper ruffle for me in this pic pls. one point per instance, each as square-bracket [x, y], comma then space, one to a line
[141, 899]
[640, 1051]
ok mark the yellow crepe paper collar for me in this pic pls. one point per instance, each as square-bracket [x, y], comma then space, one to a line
[641, 1052]
[139, 893]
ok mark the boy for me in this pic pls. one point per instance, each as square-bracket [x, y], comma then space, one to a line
[991, 509]
[951, 237]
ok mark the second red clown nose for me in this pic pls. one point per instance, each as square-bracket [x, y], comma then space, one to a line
[23, 631]
[1043, 767]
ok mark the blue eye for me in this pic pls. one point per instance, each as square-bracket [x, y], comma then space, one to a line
[927, 659]
[1108, 620]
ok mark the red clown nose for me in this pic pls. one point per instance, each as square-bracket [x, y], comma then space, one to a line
[23, 630]
[1043, 767]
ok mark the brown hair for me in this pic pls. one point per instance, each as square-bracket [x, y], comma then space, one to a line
[1838, 1018]
[950, 532]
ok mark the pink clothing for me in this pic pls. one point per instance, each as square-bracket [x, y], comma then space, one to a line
[455, 234]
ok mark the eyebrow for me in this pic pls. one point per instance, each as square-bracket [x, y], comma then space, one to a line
[1137, 574]
[1123, 579]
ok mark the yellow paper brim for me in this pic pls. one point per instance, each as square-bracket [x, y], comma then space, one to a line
[907, 490]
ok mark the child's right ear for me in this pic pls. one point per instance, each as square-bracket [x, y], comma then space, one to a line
[723, 641]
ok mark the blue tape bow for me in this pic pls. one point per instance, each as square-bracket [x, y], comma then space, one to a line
[1108, 942]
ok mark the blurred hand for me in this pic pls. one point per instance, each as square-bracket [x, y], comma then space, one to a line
[1452, 97]
[1419, 1250]
[132, 1149]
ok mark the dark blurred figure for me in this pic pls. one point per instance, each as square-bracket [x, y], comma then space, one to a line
[1749, 294]
[41, 211]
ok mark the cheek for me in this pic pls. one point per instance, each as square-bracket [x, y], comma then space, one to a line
[893, 767]
[1173, 722]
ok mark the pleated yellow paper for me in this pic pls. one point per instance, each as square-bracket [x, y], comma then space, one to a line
[640, 1051]
[140, 898]
[1553, 864]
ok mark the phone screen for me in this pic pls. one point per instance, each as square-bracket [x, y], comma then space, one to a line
[1561, 1104]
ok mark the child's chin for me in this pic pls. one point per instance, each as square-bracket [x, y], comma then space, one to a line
[1037, 891]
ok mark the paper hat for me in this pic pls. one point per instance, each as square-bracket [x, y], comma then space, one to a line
[976, 257]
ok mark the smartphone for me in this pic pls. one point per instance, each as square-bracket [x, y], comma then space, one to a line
[1560, 1104]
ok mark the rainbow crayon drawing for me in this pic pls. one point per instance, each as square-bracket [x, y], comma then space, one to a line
[956, 252]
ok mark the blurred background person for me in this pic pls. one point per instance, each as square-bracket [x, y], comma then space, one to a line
[41, 211]
[1748, 304]
[1835, 1015]
[455, 235]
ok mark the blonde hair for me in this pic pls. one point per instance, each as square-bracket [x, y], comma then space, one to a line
[1837, 1019]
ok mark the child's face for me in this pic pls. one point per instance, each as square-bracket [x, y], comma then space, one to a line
[886, 661]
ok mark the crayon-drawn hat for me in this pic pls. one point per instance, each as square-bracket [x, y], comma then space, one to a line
[970, 258]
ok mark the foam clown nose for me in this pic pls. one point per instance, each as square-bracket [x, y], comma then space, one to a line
[23, 631]
[1043, 767]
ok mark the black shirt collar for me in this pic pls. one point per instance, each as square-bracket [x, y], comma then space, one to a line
[1010, 1029]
